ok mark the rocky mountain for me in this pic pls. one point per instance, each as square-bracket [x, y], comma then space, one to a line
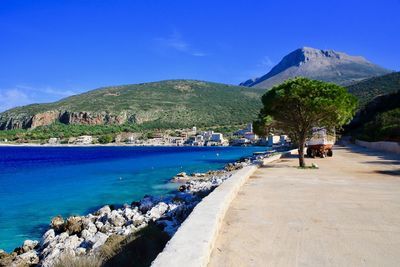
[324, 65]
[171, 104]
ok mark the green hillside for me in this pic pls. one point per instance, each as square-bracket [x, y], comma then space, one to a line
[378, 120]
[368, 89]
[165, 104]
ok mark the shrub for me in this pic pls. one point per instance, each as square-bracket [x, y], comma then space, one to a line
[105, 139]
[82, 261]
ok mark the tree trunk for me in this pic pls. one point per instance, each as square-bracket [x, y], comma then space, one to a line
[301, 153]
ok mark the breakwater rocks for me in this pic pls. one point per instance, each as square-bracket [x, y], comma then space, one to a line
[86, 235]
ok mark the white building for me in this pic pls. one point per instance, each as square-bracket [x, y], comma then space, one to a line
[207, 135]
[217, 137]
[84, 140]
[199, 138]
[283, 139]
[53, 141]
[251, 136]
[130, 140]
[178, 141]
[273, 139]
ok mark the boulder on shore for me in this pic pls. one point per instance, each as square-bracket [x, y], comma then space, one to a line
[26, 259]
[29, 245]
[74, 225]
[6, 259]
[57, 223]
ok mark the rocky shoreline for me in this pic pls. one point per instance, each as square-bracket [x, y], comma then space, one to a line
[78, 236]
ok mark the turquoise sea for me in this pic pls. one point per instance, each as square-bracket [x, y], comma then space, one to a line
[37, 183]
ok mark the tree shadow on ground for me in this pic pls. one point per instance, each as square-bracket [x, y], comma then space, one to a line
[384, 158]
[389, 172]
[387, 162]
[290, 156]
[387, 156]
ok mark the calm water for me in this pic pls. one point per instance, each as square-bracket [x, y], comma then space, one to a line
[37, 183]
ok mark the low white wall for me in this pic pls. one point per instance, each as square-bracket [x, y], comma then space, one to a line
[393, 147]
[192, 244]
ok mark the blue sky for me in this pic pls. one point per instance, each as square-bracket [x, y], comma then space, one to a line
[53, 49]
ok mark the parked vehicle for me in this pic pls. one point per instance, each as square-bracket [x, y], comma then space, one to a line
[321, 143]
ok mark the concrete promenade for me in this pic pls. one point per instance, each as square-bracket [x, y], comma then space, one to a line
[346, 213]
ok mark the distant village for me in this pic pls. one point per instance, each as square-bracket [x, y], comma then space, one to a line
[184, 137]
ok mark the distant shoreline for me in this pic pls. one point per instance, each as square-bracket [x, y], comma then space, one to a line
[98, 145]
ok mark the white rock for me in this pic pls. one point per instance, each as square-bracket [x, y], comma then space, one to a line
[106, 228]
[138, 219]
[116, 219]
[85, 222]
[128, 230]
[91, 227]
[86, 234]
[129, 213]
[51, 257]
[72, 242]
[98, 240]
[29, 245]
[91, 217]
[104, 210]
[172, 206]
[61, 237]
[26, 259]
[157, 211]
[98, 225]
[47, 238]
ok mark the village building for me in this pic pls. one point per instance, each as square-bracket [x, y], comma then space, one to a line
[83, 140]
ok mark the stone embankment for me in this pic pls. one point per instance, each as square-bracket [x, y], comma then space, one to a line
[392, 147]
[85, 235]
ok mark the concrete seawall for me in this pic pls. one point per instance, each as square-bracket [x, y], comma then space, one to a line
[392, 147]
[192, 244]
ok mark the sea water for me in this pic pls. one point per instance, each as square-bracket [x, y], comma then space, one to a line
[37, 183]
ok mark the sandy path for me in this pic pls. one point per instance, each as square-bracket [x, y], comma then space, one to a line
[347, 213]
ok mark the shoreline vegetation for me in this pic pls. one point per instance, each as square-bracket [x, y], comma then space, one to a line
[135, 232]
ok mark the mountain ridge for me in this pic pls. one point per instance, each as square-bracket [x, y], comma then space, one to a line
[178, 102]
[318, 64]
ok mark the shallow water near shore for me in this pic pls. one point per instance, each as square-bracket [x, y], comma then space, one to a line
[37, 183]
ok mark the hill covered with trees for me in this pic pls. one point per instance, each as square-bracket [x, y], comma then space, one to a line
[165, 104]
[368, 89]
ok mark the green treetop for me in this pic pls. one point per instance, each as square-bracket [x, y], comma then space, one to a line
[298, 105]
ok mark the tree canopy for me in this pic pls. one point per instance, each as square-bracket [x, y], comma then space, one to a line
[298, 105]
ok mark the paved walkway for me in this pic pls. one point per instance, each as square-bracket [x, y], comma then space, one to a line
[346, 213]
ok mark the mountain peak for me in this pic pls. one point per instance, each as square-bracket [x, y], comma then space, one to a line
[319, 64]
[310, 53]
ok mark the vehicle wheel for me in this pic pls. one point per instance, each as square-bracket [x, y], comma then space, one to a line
[330, 153]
